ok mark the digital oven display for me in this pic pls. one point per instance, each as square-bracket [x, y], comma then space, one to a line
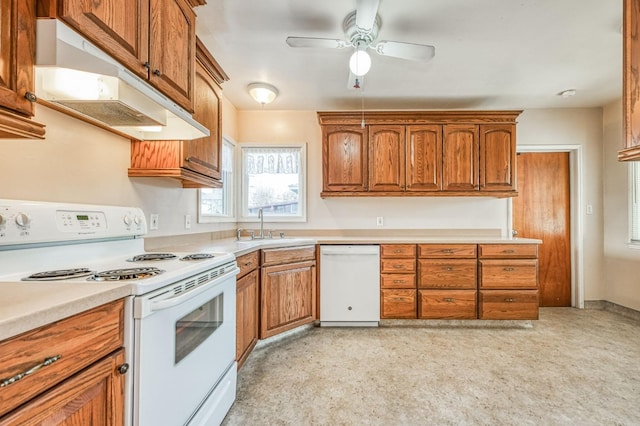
[82, 217]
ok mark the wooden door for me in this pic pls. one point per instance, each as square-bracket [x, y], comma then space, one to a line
[424, 158]
[95, 396]
[119, 27]
[542, 210]
[288, 297]
[247, 319]
[386, 158]
[460, 157]
[172, 49]
[498, 157]
[204, 155]
[344, 158]
[17, 44]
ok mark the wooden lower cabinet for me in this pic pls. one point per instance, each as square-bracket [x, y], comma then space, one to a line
[78, 381]
[398, 303]
[508, 304]
[447, 304]
[95, 396]
[247, 315]
[288, 297]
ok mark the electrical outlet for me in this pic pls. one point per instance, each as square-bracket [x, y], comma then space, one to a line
[589, 209]
[187, 221]
[379, 221]
[154, 220]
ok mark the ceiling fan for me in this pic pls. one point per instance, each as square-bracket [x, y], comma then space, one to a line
[361, 28]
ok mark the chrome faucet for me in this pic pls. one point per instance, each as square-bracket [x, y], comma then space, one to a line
[261, 217]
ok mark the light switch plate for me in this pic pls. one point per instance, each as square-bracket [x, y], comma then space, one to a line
[154, 221]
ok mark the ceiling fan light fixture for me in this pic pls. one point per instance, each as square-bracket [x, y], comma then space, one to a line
[262, 93]
[360, 62]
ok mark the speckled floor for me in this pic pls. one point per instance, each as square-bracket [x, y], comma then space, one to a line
[578, 367]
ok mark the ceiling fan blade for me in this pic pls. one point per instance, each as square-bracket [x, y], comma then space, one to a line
[366, 11]
[329, 43]
[411, 51]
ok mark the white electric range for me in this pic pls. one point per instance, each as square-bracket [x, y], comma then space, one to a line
[180, 327]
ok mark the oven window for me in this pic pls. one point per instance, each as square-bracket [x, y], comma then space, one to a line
[196, 326]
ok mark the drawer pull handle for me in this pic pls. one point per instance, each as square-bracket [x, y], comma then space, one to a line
[449, 251]
[397, 251]
[398, 281]
[248, 264]
[448, 268]
[47, 361]
[449, 299]
[509, 251]
[509, 300]
[509, 269]
[399, 299]
[398, 266]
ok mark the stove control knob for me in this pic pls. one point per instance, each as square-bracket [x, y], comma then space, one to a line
[2, 220]
[127, 220]
[137, 220]
[22, 220]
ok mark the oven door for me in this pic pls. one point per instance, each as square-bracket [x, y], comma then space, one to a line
[184, 344]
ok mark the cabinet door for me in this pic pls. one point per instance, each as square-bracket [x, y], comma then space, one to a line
[172, 49]
[119, 27]
[460, 157]
[17, 47]
[247, 299]
[424, 158]
[344, 158]
[94, 396]
[498, 157]
[398, 304]
[386, 158]
[288, 297]
[204, 155]
[630, 82]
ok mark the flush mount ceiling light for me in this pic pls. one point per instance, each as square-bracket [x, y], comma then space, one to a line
[567, 93]
[263, 93]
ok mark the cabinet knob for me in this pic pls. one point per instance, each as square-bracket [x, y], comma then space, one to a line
[123, 368]
[157, 72]
[31, 97]
[147, 65]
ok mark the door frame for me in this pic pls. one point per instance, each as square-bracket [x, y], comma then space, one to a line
[577, 213]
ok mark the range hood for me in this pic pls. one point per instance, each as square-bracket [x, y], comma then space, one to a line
[74, 74]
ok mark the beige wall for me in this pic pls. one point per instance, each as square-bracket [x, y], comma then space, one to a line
[621, 263]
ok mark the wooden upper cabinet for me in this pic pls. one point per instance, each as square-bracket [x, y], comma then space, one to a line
[631, 81]
[460, 157]
[424, 158]
[344, 158]
[498, 157]
[153, 38]
[172, 49]
[17, 53]
[386, 158]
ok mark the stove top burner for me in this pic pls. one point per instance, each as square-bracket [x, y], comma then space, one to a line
[197, 256]
[60, 274]
[125, 274]
[152, 256]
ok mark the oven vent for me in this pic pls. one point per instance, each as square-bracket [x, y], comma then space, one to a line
[203, 278]
[191, 284]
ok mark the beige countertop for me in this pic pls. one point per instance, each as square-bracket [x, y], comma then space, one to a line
[28, 305]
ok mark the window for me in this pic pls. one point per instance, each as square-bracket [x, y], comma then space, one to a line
[634, 202]
[273, 179]
[218, 204]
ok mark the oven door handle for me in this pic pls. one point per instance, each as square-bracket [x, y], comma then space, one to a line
[183, 297]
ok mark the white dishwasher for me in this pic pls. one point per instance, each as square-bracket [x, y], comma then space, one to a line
[350, 285]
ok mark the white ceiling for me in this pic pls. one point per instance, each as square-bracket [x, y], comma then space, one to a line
[490, 54]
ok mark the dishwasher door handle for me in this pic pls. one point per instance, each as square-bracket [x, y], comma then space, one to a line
[360, 251]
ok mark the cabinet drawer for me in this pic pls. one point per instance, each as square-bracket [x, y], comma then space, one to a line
[506, 305]
[397, 250]
[398, 304]
[74, 343]
[509, 273]
[247, 263]
[512, 251]
[447, 304]
[443, 251]
[453, 273]
[288, 255]
[397, 265]
[398, 280]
